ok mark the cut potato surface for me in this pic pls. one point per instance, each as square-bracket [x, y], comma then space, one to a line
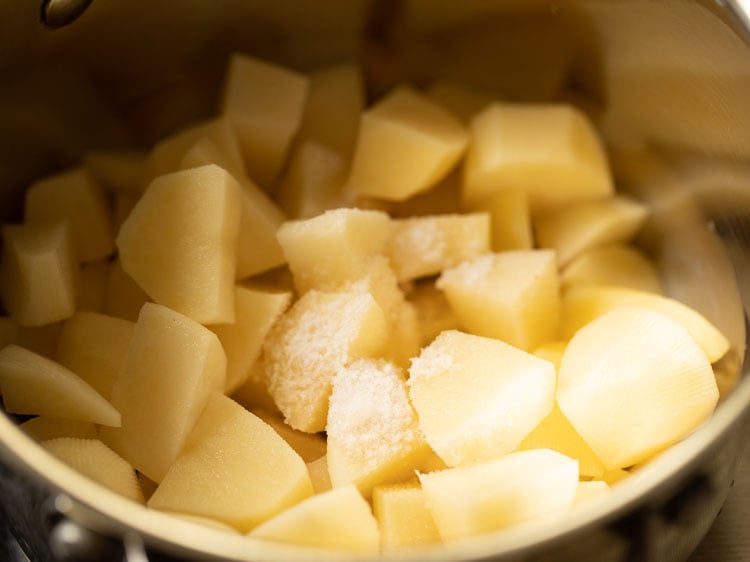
[510, 219]
[477, 398]
[337, 519]
[513, 296]
[310, 446]
[233, 468]
[39, 276]
[615, 264]
[94, 459]
[494, 494]
[180, 242]
[403, 516]
[321, 479]
[32, 384]
[636, 360]
[581, 305]
[39, 339]
[406, 144]
[43, 428]
[373, 431]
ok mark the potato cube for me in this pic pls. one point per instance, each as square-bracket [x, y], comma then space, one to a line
[264, 103]
[118, 171]
[444, 198]
[403, 516]
[581, 305]
[340, 519]
[424, 246]
[612, 264]
[32, 384]
[574, 228]
[331, 249]
[321, 479]
[123, 297]
[551, 151]
[462, 101]
[39, 339]
[173, 365]
[510, 219]
[634, 359]
[488, 496]
[94, 346]
[406, 144]
[255, 313]
[94, 459]
[253, 393]
[233, 468]
[75, 197]
[513, 296]
[93, 286]
[39, 274]
[317, 336]
[335, 101]
[477, 398]
[42, 428]
[309, 446]
[434, 314]
[373, 431]
[180, 242]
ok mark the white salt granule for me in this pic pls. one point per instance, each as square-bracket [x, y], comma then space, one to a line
[431, 362]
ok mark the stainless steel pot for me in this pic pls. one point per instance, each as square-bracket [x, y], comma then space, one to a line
[667, 81]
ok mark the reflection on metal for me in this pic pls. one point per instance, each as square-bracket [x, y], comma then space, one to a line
[59, 13]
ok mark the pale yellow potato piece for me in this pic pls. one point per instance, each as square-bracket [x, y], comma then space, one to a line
[233, 468]
[253, 393]
[614, 476]
[39, 274]
[180, 242]
[319, 334]
[173, 365]
[551, 151]
[213, 138]
[632, 382]
[583, 304]
[339, 519]
[403, 516]
[255, 313]
[264, 103]
[589, 489]
[495, 494]
[462, 101]
[372, 429]
[123, 297]
[552, 351]
[74, 196]
[335, 101]
[321, 479]
[574, 228]
[310, 446]
[314, 181]
[434, 314]
[124, 203]
[118, 170]
[42, 428]
[477, 398]
[95, 346]
[442, 199]
[406, 144]
[513, 296]
[32, 384]
[39, 339]
[615, 264]
[94, 459]
[328, 250]
[510, 219]
[424, 246]
[556, 432]
[93, 286]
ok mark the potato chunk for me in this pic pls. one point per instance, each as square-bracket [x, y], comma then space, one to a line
[264, 102]
[43, 428]
[173, 365]
[74, 196]
[403, 516]
[510, 219]
[551, 151]
[94, 346]
[406, 144]
[179, 243]
[32, 384]
[233, 468]
[39, 275]
[339, 519]
[494, 494]
[373, 431]
[632, 382]
[423, 246]
[317, 336]
[476, 397]
[513, 296]
[94, 459]
[613, 264]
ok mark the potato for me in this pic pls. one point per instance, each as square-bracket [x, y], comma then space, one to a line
[403, 516]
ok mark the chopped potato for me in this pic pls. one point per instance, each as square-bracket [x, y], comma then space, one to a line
[403, 516]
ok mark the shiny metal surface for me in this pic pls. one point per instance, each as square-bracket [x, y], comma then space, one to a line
[667, 82]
